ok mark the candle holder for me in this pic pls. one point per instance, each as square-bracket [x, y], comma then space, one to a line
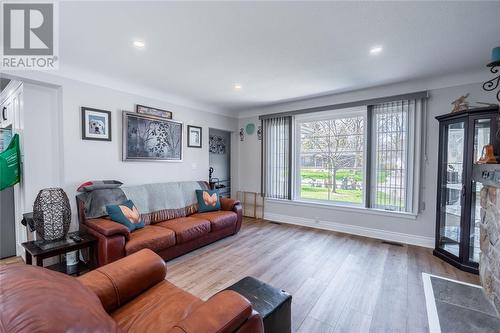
[494, 83]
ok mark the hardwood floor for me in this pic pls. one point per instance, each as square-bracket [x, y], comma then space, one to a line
[339, 282]
[11, 261]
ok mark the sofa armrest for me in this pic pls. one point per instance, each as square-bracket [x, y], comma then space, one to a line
[254, 324]
[121, 281]
[234, 206]
[108, 227]
[228, 204]
[224, 312]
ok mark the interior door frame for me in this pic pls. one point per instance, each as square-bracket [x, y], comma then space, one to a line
[230, 151]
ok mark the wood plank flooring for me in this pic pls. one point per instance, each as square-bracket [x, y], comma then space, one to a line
[11, 261]
[339, 282]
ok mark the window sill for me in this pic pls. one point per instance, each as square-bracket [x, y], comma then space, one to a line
[347, 208]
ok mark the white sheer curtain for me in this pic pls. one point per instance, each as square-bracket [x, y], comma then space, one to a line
[396, 154]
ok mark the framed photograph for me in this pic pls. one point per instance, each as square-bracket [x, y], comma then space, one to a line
[194, 136]
[96, 124]
[150, 138]
[142, 109]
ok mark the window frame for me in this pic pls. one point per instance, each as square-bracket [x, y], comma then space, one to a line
[327, 115]
[413, 165]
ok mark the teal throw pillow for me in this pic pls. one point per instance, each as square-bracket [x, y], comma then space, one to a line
[126, 214]
[208, 200]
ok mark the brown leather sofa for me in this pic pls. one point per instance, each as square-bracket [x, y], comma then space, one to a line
[129, 295]
[170, 238]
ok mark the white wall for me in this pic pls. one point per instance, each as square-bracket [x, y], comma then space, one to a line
[82, 160]
[419, 230]
[41, 141]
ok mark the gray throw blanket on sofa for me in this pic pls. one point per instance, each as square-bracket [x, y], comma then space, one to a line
[156, 202]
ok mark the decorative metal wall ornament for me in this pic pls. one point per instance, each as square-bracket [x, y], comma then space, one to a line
[52, 214]
[259, 132]
[494, 83]
[217, 144]
[242, 134]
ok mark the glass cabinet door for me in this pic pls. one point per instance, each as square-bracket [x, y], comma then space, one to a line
[482, 137]
[452, 188]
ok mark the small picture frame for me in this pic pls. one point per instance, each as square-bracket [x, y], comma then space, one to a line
[194, 136]
[96, 124]
[153, 111]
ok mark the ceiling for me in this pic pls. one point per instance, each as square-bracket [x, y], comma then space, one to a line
[277, 51]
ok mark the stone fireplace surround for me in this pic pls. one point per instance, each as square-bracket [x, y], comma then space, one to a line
[489, 262]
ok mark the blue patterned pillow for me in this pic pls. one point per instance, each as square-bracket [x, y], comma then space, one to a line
[126, 214]
[208, 200]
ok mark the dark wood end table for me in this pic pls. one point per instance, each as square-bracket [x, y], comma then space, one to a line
[41, 249]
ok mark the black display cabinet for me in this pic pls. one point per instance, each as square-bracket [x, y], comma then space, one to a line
[462, 136]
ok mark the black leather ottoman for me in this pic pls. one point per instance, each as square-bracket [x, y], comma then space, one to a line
[274, 305]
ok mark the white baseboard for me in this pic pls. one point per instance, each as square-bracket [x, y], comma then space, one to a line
[353, 230]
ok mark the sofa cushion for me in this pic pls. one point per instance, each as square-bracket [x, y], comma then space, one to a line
[126, 214]
[98, 185]
[34, 299]
[186, 228]
[219, 219]
[156, 310]
[150, 237]
[208, 200]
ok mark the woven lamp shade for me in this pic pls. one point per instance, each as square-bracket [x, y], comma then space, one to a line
[52, 214]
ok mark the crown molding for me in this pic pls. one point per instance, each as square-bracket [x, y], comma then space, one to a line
[394, 88]
[56, 78]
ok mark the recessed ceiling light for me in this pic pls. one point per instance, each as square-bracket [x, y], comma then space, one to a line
[237, 86]
[139, 44]
[376, 50]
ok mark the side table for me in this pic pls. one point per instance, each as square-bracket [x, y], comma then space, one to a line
[274, 305]
[41, 249]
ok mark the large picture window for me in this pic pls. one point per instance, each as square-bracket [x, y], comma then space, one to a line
[361, 156]
[331, 158]
[365, 155]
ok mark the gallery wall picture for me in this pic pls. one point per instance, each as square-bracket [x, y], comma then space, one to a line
[194, 136]
[153, 111]
[149, 138]
[96, 124]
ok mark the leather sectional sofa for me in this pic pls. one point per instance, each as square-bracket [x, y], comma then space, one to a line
[129, 295]
[168, 232]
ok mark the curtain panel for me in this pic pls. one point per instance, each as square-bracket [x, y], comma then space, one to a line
[276, 158]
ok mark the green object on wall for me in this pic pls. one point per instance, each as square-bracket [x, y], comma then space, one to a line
[10, 164]
[250, 128]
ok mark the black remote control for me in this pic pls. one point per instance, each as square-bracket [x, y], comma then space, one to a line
[76, 238]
